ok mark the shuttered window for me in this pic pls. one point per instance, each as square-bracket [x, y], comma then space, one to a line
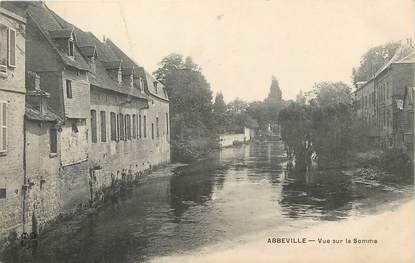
[103, 118]
[145, 126]
[12, 48]
[3, 127]
[167, 123]
[157, 127]
[3, 47]
[128, 127]
[121, 127]
[93, 126]
[134, 126]
[113, 124]
[139, 126]
[152, 131]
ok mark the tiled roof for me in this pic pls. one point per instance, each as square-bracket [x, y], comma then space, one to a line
[128, 62]
[400, 53]
[105, 60]
[51, 27]
[61, 33]
[33, 114]
[88, 51]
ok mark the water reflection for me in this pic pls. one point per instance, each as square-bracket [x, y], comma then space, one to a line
[236, 192]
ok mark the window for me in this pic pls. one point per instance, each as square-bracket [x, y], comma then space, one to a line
[145, 126]
[167, 123]
[134, 126]
[155, 86]
[53, 140]
[12, 48]
[152, 131]
[93, 126]
[2, 193]
[113, 124]
[71, 48]
[103, 126]
[139, 126]
[69, 89]
[3, 46]
[128, 127]
[92, 64]
[3, 126]
[122, 128]
[118, 128]
[157, 127]
[119, 76]
[141, 85]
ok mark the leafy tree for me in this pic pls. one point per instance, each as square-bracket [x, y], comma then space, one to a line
[190, 102]
[275, 94]
[331, 93]
[373, 60]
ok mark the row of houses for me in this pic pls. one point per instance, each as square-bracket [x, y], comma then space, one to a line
[76, 114]
[385, 103]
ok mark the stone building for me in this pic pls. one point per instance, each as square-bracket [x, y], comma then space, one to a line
[408, 121]
[391, 82]
[92, 116]
[12, 106]
[380, 100]
[42, 144]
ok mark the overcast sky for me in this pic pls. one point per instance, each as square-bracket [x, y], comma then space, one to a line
[240, 44]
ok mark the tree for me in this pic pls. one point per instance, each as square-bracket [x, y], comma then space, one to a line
[191, 107]
[373, 60]
[331, 93]
[220, 113]
[275, 94]
[300, 98]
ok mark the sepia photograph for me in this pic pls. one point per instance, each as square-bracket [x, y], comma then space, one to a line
[237, 131]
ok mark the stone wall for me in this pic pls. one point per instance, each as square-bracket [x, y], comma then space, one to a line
[111, 160]
[12, 92]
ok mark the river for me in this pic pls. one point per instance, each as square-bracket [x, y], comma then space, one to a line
[225, 199]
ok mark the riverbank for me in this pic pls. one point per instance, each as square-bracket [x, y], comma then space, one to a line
[393, 231]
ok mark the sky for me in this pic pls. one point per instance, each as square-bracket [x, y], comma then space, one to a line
[240, 44]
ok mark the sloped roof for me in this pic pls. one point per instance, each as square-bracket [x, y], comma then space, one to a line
[50, 27]
[61, 33]
[88, 51]
[105, 60]
[408, 59]
[33, 114]
[402, 52]
[147, 76]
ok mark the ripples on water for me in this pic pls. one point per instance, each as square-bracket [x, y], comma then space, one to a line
[236, 192]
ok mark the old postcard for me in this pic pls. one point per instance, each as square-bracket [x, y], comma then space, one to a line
[215, 131]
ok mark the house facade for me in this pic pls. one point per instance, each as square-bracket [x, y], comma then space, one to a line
[12, 106]
[408, 121]
[381, 99]
[89, 116]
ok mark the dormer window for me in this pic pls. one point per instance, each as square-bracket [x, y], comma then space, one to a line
[92, 64]
[141, 85]
[71, 47]
[132, 80]
[155, 86]
[119, 76]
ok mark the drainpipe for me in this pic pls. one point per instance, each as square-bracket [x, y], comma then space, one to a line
[24, 188]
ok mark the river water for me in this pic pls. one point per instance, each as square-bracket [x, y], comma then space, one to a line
[226, 198]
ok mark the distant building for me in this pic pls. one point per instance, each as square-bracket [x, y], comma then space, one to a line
[12, 106]
[380, 100]
[408, 121]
